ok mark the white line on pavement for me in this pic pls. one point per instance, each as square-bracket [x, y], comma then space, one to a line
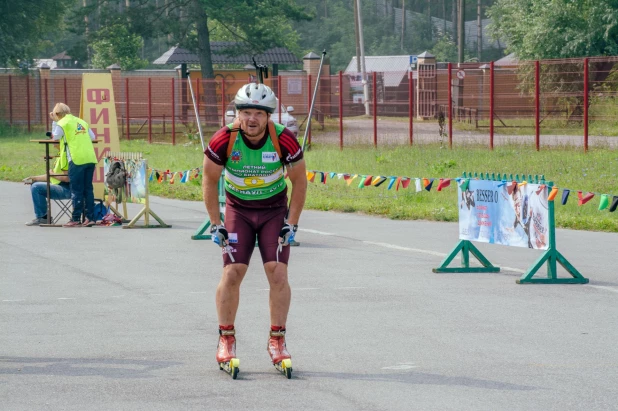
[398, 247]
[314, 231]
[603, 287]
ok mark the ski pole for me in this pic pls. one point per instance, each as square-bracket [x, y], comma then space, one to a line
[315, 92]
[197, 114]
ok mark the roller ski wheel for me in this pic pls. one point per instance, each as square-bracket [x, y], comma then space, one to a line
[231, 367]
[226, 353]
[285, 367]
[279, 354]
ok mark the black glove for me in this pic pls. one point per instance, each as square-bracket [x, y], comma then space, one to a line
[48, 134]
[287, 233]
[219, 235]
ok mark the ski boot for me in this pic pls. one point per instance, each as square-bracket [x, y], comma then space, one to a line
[226, 352]
[281, 358]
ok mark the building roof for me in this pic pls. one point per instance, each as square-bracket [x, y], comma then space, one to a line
[275, 55]
[177, 55]
[395, 68]
[509, 60]
[62, 56]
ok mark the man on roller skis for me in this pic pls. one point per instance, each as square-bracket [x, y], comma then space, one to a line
[256, 155]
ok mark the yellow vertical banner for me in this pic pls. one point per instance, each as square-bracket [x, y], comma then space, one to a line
[98, 109]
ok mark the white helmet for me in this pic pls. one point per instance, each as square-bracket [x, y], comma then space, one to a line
[255, 95]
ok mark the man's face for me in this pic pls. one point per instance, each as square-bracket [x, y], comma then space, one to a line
[253, 121]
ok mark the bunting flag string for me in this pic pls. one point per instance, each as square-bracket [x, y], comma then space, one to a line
[398, 182]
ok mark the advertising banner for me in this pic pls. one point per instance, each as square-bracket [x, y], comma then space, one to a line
[510, 213]
[98, 109]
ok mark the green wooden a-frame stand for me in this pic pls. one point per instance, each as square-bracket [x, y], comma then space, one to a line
[199, 233]
[466, 247]
[551, 256]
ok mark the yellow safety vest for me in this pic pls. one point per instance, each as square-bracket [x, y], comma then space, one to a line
[58, 168]
[78, 139]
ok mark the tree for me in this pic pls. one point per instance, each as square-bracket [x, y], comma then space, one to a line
[23, 25]
[117, 45]
[445, 49]
[552, 29]
[558, 29]
[256, 25]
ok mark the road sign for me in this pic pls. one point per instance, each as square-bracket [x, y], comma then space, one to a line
[413, 62]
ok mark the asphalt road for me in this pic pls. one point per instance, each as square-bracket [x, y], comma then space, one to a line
[117, 319]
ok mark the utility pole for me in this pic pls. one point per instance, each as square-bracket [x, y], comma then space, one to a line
[362, 58]
[479, 33]
[462, 31]
[454, 20]
[358, 67]
[403, 21]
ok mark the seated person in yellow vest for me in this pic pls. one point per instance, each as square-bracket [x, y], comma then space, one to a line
[76, 138]
[59, 189]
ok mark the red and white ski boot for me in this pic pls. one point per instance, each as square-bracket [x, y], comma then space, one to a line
[281, 358]
[226, 352]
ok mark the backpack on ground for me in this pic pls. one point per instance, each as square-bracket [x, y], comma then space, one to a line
[116, 176]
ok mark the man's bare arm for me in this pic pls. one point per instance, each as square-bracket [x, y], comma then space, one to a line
[298, 177]
[210, 189]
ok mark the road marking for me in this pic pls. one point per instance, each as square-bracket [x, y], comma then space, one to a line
[414, 250]
[401, 366]
[398, 247]
[12, 301]
[517, 270]
[293, 288]
[315, 231]
[604, 287]
[65, 298]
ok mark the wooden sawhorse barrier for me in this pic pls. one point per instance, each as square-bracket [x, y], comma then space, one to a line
[132, 162]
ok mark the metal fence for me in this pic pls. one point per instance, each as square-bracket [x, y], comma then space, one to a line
[547, 102]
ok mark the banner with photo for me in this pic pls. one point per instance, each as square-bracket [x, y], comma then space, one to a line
[135, 187]
[510, 213]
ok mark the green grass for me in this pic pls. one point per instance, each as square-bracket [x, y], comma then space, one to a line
[568, 167]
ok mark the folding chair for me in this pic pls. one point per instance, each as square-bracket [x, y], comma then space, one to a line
[64, 209]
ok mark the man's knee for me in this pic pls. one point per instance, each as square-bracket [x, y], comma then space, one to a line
[233, 275]
[277, 274]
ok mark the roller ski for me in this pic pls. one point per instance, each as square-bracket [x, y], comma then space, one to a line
[226, 353]
[281, 358]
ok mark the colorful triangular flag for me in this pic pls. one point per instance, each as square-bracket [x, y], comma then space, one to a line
[604, 202]
[444, 182]
[427, 183]
[612, 207]
[565, 195]
[553, 193]
[351, 178]
[584, 199]
[391, 182]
